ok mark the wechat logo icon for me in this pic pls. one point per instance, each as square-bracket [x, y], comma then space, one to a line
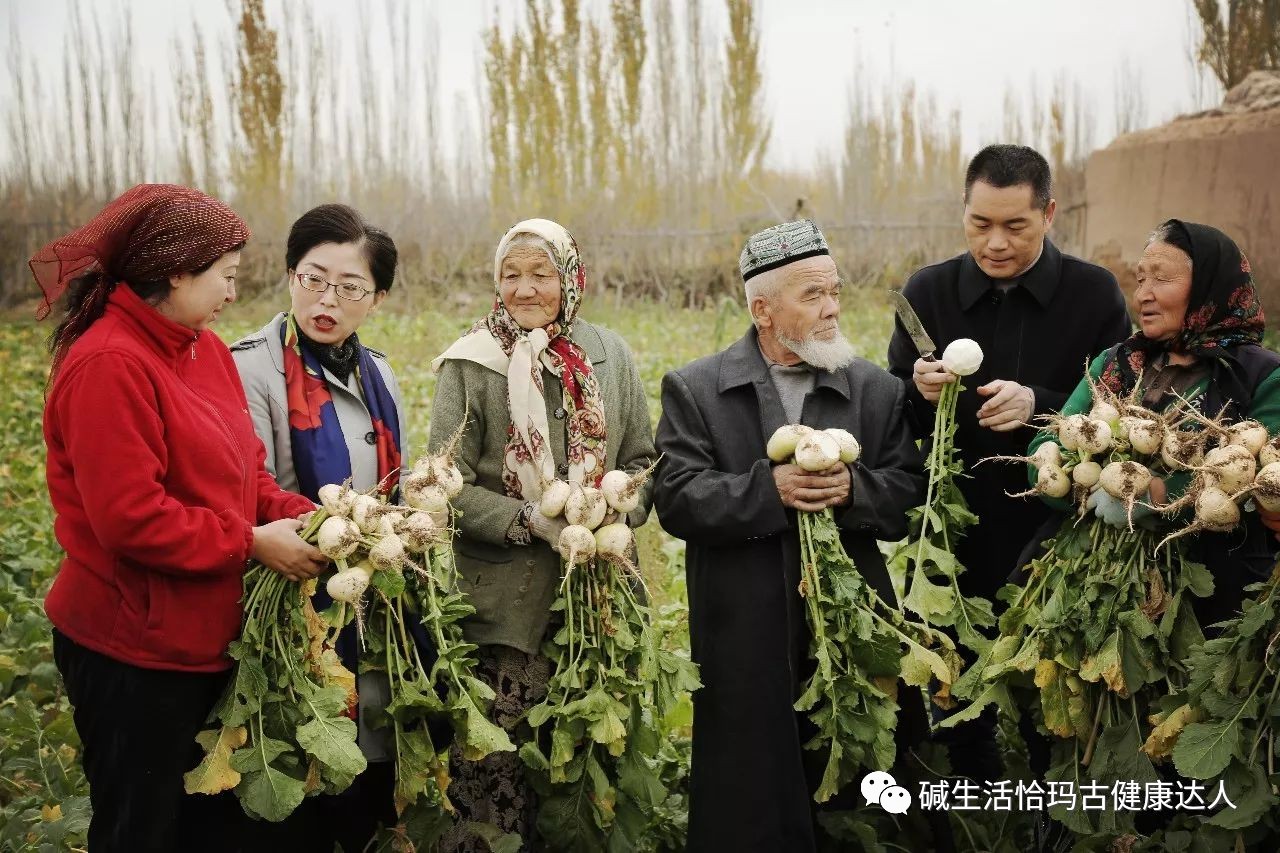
[881, 789]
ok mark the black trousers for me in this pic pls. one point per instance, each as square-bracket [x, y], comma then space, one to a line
[138, 729]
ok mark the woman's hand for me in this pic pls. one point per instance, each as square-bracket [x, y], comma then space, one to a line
[1159, 492]
[1270, 520]
[278, 547]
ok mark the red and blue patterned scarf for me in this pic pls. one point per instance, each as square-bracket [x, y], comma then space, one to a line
[320, 453]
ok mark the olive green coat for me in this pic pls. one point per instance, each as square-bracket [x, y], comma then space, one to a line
[513, 586]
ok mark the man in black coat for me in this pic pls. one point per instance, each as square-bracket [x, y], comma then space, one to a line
[1038, 315]
[752, 782]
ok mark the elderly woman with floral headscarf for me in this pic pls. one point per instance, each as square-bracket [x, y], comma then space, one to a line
[543, 395]
[161, 495]
[1199, 339]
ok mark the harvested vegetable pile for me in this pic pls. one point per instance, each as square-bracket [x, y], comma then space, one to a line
[595, 755]
[285, 726]
[1103, 629]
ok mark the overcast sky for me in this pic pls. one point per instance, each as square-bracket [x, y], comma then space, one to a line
[964, 52]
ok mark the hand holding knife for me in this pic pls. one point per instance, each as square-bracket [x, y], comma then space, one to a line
[928, 373]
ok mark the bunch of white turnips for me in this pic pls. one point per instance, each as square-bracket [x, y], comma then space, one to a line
[585, 508]
[363, 535]
[1119, 447]
[814, 450]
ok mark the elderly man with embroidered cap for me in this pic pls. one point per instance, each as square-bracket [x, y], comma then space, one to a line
[752, 779]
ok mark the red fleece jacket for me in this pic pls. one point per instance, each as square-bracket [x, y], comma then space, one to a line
[157, 479]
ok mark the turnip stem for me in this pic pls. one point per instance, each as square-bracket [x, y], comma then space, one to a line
[1097, 726]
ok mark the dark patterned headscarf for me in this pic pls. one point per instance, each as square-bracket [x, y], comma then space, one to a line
[1223, 310]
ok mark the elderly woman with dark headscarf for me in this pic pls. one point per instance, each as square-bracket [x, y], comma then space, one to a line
[161, 496]
[1200, 340]
[543, 395]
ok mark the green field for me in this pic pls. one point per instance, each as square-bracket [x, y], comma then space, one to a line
[42, 792]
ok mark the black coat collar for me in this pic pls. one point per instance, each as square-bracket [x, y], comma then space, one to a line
[1041, 281]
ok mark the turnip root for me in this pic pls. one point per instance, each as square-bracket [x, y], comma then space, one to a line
[1049, 453]
[347, 586]
[388, 554]
[1095, 437]
[1126, 481]
[1250, 435]
[586, 507]
[1270, 452]
[336, 499]
[1181, 449]
[419, 532]
[439, 470]
[1215, 512]
[1230, 467]
[817, 451]
[962, 357]
[1086, 474]
[614, 541]
[1265, 488]
[421, 495]
[1144, 435]
[448, 477]
[577, 545]
[1071, 431]
[1051, 482]
[850, 450]
[782, 444]
[365, 511]
[338, 537]
[1104, 411]
[554, 496]
[622, 490]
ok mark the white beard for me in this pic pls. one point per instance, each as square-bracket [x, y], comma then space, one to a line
[831, 355]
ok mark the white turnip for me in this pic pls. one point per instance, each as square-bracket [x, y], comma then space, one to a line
[782, 444]
[338, 537]
[586, 507]
[554, 496]
[817, 451]
[850, 450]
[962, 357]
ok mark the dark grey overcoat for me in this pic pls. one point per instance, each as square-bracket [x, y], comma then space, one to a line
[715, 490]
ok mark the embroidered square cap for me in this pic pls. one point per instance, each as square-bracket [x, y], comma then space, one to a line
[780, 245]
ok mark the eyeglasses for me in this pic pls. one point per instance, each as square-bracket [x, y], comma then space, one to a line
[346, 290]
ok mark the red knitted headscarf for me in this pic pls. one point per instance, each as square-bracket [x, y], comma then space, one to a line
[150, 232]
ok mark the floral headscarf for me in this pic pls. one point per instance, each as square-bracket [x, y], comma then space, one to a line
[498, 342]
[1223, 310]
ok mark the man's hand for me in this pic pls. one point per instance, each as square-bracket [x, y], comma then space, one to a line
[1011, 405]
[929, 377]
[812, 492]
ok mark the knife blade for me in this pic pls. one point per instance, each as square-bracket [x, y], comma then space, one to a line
[911, 322]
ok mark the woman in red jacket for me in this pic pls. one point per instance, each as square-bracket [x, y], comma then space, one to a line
[161, 496]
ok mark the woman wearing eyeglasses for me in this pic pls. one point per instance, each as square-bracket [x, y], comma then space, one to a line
[328, 408]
